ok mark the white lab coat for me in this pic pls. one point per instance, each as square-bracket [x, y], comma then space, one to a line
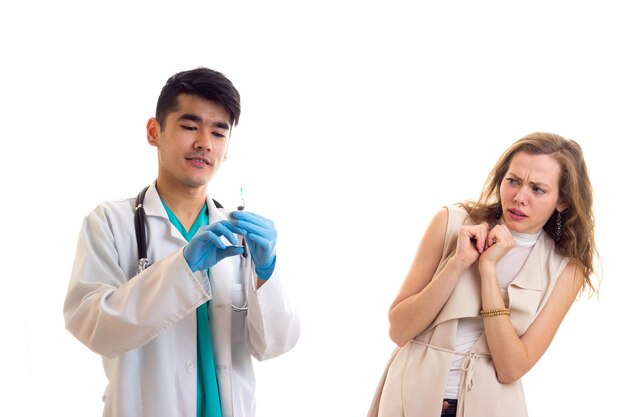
[145, 327]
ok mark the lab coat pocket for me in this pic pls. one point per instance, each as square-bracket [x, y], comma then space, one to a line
[239, 311]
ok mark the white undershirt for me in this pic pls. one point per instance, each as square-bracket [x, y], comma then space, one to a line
[469, 329]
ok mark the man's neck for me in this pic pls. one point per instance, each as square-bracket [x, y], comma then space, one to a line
[184, 201]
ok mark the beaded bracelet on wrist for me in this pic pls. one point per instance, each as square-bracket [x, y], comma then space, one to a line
[495, 312]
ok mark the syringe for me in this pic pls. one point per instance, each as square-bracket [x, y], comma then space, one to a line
[241, 207]
[242, 201]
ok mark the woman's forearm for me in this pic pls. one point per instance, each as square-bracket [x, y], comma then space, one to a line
[411, 316]
[507, 350]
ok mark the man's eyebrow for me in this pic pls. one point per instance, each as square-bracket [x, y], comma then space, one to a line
[191, 117]
[222, 125]
[197, 119]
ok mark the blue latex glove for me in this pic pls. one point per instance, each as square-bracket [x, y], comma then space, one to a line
[206, 248]
[260, 235]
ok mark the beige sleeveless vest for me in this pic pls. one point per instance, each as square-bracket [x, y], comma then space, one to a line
[414, 379]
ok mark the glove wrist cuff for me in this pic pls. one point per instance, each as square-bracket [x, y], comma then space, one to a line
[265, 272]
[194, 266]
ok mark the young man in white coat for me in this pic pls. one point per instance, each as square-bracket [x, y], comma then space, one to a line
[177, 337]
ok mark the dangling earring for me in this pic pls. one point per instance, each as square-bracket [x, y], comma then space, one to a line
[499, 212]
[558, 227]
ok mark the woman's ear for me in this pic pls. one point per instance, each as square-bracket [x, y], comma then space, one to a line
[561, 206]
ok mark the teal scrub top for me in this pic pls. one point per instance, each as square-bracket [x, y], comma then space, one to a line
[208, 397]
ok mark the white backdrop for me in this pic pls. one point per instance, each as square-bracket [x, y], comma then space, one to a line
[360, 119]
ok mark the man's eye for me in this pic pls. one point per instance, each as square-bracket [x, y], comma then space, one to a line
[219, 135]
[188, 127]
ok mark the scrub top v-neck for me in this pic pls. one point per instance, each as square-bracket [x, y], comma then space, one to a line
[208, 397]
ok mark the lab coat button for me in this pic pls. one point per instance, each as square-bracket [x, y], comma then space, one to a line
[190, 364]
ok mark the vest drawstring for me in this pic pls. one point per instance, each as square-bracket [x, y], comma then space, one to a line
[467, 380]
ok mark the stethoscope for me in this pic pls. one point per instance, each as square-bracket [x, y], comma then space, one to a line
[140, 231]
[142, 242]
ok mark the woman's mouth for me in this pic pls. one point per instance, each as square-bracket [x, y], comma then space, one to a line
[517, 214]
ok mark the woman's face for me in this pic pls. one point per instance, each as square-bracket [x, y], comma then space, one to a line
[529, 192]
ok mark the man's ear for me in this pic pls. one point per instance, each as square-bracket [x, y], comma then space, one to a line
[152, 131]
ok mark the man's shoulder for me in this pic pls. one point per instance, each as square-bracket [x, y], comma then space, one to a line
[122, 209]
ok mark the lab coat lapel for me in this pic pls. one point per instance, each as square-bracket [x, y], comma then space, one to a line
[154, 207]
[152, 203]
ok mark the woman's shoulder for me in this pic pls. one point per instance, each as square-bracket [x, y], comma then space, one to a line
[449, 220]
[552, 255]
[457, 214]
[456, 209]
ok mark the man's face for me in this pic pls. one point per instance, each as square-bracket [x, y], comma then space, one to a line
[192, 144]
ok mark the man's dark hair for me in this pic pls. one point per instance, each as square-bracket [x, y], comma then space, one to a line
[202, 82]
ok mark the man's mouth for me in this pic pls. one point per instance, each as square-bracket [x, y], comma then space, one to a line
[199, 159]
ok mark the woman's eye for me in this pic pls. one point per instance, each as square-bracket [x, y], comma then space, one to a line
[539, 190]
[512, 180]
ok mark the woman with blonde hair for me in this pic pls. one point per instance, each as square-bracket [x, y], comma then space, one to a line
[489, 286]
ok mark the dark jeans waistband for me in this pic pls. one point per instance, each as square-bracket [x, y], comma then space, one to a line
[448, 407]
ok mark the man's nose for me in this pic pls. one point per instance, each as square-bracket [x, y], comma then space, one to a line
[203, 140]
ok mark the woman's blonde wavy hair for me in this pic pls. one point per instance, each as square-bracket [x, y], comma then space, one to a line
[577, 237]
